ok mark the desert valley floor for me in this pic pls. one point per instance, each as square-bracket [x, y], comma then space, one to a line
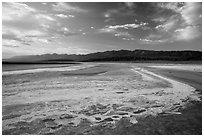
[102, 98]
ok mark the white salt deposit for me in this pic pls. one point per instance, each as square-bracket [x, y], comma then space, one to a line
[71, 68]
[180, 90]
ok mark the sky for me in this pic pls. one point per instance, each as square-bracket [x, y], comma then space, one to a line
[86, 27]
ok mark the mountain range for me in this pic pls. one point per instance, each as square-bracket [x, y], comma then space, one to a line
[120, 55]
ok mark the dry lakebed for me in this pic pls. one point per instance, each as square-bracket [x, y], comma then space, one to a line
[79, 99]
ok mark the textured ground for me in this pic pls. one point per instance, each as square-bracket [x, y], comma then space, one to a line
[89, 99]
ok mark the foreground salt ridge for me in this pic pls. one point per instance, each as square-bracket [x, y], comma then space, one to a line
[70, 68]
[180, 89]
[130, 103]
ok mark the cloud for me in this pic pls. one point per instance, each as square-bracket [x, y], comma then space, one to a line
[109, 20]
[132, 9]
[129, 4]
[154, 36]
[128, 39]
[184, 24]
[106, 30]
[43, 40]
[45, 26]
[146, 40]
[58, 31]
[170, 24]
[17, 37]
[125, 9]
[170, 20]
[190, 28]
[159, 19]
[43, 16]
[27, 25]
[72, 50]
[11, 36]
[149, 41]
[11, 43]
[179, 30]
[65, 29]
[110, 12]
[167, 25]
[65, 7]
[117, 34]
[191, 13]
[18, 10]
[125, 39]
[11, 46]
[174, 6]
[127, 26]
[64, 16]
[22, 17]
[188, 33]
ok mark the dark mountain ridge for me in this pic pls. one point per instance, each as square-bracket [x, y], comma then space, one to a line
[120, 55]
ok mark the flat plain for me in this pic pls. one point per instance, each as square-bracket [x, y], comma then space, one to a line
[103, 98]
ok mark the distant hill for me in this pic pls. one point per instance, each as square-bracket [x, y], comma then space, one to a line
[121, 55]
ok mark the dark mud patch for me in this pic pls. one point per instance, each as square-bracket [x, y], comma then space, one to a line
[48, 119]
[97, 118]
[122, 113]
[120, 92]
[125, 108]
[139, 111]
[67, 116]
[115, 117]
[107, 120]
[9, 94]
[53, 125]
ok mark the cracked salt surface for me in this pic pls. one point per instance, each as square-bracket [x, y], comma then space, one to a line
[100, 98]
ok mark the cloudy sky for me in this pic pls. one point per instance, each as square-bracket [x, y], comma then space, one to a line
[80, 28]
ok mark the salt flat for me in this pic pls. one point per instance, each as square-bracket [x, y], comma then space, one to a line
[99, 94]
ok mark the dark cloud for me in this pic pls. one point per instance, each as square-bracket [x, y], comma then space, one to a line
[11, 46]
[67, 7]
[11, 37]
